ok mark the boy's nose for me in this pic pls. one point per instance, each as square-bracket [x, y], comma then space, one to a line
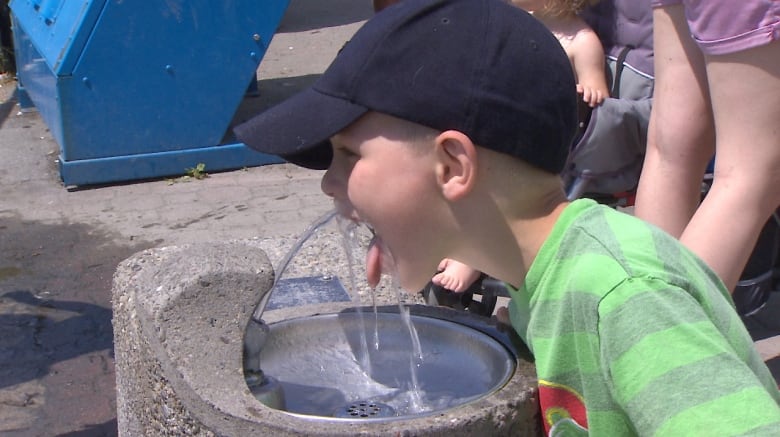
[328, 184]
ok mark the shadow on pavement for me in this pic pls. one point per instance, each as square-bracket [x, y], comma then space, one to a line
[53, 331]
[7, 105]
[302, 15]
[56, 354]
[107, 429]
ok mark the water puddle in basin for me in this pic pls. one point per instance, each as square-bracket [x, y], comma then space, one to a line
[315, 359]
[358, 394]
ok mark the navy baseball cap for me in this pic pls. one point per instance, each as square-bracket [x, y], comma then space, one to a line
[481, 67]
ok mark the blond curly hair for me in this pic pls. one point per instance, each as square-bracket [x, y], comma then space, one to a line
[561, 7]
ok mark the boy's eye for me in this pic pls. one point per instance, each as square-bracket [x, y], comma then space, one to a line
[349, 153]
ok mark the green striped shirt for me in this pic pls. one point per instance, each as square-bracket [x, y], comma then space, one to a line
[633, 335]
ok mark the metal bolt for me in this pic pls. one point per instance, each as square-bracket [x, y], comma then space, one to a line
[256, 37]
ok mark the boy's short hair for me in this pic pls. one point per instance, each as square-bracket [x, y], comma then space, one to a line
[481, 67]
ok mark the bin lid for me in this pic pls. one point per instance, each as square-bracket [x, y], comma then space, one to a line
[59, 29]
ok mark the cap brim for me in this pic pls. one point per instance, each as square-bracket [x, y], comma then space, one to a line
[299, 129]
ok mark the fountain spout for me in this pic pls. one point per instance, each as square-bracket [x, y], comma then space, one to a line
[265, 388]
[257, 330]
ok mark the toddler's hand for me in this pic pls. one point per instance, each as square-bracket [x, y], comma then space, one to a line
[591, 95]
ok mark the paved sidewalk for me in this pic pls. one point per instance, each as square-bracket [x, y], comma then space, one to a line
[59, 248]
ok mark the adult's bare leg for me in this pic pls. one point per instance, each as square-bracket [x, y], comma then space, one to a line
[745, 94]
[681, 134]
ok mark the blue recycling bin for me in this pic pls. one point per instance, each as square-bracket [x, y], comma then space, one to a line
[141, 89]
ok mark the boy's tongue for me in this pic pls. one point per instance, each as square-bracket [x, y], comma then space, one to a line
[374, 260]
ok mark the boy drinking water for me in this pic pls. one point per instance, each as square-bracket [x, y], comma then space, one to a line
[444, 125]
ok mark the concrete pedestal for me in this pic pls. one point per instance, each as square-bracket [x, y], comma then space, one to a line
[179, 320]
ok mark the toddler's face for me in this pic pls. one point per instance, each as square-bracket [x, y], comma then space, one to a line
[380, 179]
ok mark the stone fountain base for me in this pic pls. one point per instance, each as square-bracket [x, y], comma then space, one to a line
[179, 319]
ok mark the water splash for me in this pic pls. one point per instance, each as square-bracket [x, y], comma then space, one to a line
[406, 400]
[410, 399]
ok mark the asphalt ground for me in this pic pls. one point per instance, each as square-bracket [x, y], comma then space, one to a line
[59, 247]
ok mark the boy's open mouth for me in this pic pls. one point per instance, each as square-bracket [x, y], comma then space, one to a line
[378, 257]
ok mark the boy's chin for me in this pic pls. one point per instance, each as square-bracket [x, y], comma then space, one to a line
[347, 213]
[413, 282]
[380, 262]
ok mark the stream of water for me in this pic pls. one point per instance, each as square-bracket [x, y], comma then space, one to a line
[412, 398]
[405, 400]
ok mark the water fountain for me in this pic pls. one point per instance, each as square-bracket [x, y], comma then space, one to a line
[185, 314]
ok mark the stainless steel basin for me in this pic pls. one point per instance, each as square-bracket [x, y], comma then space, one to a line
[328, 365]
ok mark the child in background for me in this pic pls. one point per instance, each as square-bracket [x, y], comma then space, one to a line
[580, 42]
[444, 125]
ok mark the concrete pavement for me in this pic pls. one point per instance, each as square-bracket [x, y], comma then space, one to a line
[60, 247]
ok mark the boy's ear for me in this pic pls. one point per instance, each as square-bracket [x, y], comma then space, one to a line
[456, 167]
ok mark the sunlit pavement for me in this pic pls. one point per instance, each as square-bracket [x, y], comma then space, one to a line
[60, 247]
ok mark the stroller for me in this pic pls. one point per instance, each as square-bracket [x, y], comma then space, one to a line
[606, 159]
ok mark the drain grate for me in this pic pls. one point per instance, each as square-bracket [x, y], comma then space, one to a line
[365, 410]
